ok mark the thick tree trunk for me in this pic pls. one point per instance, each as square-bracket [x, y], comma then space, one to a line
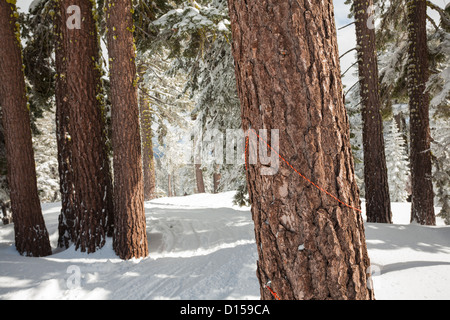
[130, 229]
[378, 204]
[310, 246]
[81, 108]
[31, 236]
[66, 220]
[199, 179]
[422, 210]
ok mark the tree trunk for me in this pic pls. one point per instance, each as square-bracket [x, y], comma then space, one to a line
[216, 179]
[31, 236]
[130, 230]
[147, 143]
[422, 210]
[310, 245]
[378, 205]
[199, 179]
[81, 110]
[169, 186]
[66, 219]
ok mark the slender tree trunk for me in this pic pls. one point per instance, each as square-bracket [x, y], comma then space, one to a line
[174, 185]
[378, 205]
[147, 143]
[199, 179]
[216, 179]
[130, 229]
[31, 236]
[81, 110]
[310, 246]
[422, 210]
[169, 186]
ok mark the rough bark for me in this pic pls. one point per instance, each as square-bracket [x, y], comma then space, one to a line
[81, 115]
[130, 238]
[66, 219]
[310, 246]
[30, 233]
[422, 210]
[378, 205]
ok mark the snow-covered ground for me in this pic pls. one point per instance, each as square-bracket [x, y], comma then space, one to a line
[202, 247]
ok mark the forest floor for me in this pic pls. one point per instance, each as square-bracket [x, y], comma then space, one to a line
[203, 247]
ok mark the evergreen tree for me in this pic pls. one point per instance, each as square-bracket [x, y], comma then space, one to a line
[146, 120]
[80, 104]
[378, 207]
[397, 164]
[31, 236]
[198, 37]
[441, 173]
[422, 210]
[310, 246]
[130, 237]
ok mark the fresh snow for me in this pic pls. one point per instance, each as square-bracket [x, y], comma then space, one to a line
[203, 247]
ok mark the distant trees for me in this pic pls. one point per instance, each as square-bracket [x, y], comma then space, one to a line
[31, 236]
[414, 59]
[397, 164]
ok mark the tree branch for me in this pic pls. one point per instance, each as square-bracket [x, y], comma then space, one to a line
[445, 18]
[353, 64]
[347, 52]
[347, 25]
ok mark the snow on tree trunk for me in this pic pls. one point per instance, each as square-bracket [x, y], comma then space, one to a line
[66, 219]
[81, 107]
[378, 205]
[422, 210]
[310, 246]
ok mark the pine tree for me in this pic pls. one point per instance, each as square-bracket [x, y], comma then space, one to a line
[378, 206]
[146, 120]
[198, 36]
[397, 164]
[441, 173]
[79, 71]
[310, 246]
[31, 236]
[422, 210]
[130, 238]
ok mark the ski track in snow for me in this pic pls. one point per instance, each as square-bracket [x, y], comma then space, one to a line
[202, 247]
